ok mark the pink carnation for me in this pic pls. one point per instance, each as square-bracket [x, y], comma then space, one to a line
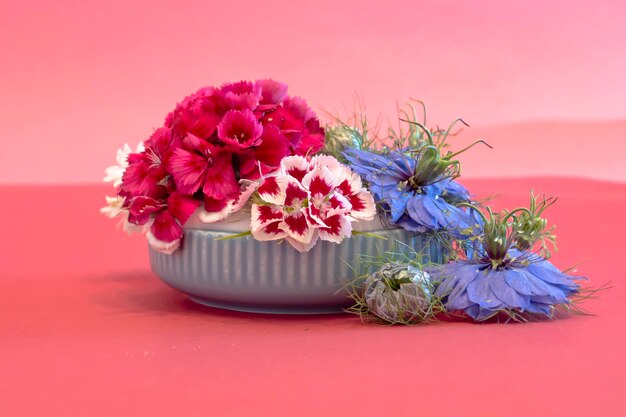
[146, 172]
[239, 129]
[164, 217]
[241, 95]
[310, 200]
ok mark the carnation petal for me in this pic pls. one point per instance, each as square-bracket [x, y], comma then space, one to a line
[241, 95]
[363, 205]
[272, 92]
[330, 162]
[220, 182]
[142, 176]
[239, 130]
[197, 114]
[297, 226]
[215, 210]
[271, 231]
[272, 149]
[264, 214]
[161, 246]
[166, 228]
[114, 206]
[337, 228]
[320, 181]
[337, 204]
[121, 157]
[312, 140]
[303, 246]
[247, 189]
[114, 174]
[299, 107]
[295, 166]
[272, 190]
[142, 208]
[188, 170]
[351, 184]
[181, 206]
[294, 194]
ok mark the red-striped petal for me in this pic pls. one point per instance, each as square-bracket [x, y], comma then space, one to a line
[296, 166]
[319, 182]
[363, 205]
[294, 194]
[297, 226]
[262, 215]
[338, 228]
[272, 190]
[351, 184]
[337, 204]
[271, 231]
[303, 247]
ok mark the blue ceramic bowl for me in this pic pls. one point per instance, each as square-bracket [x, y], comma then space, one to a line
[271, 277]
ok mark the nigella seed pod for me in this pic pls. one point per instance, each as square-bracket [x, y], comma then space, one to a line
[399, 294]
[346, 137]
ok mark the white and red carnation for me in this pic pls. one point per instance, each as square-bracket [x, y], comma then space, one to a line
[310, 200]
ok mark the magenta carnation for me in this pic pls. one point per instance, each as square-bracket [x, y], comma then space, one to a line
[211, 153]
[241, 95]
[239, 129]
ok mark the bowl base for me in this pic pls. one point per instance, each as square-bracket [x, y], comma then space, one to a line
[296, 310]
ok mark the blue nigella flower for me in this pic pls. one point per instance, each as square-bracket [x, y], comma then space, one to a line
[523, 283]
[413, 195]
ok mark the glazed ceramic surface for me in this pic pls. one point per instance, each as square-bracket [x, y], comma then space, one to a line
[271, 277]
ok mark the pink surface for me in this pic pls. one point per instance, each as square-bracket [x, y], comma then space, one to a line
[87, 330]
[79, 78]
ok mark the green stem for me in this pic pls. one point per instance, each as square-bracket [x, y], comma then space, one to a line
[445, 136]
[424, 128]
[421, 103]
[517, 210]
[451, 155]
[374, 235]
[238, 235]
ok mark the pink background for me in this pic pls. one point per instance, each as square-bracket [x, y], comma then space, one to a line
[541, 81]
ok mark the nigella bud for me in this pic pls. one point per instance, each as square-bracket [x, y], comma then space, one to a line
[399, 294]
[341, 137]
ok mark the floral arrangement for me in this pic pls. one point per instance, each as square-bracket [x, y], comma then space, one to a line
[210, 156]
[250, 148]
[500, 265]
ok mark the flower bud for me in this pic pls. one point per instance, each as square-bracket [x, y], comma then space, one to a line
[399, 294]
